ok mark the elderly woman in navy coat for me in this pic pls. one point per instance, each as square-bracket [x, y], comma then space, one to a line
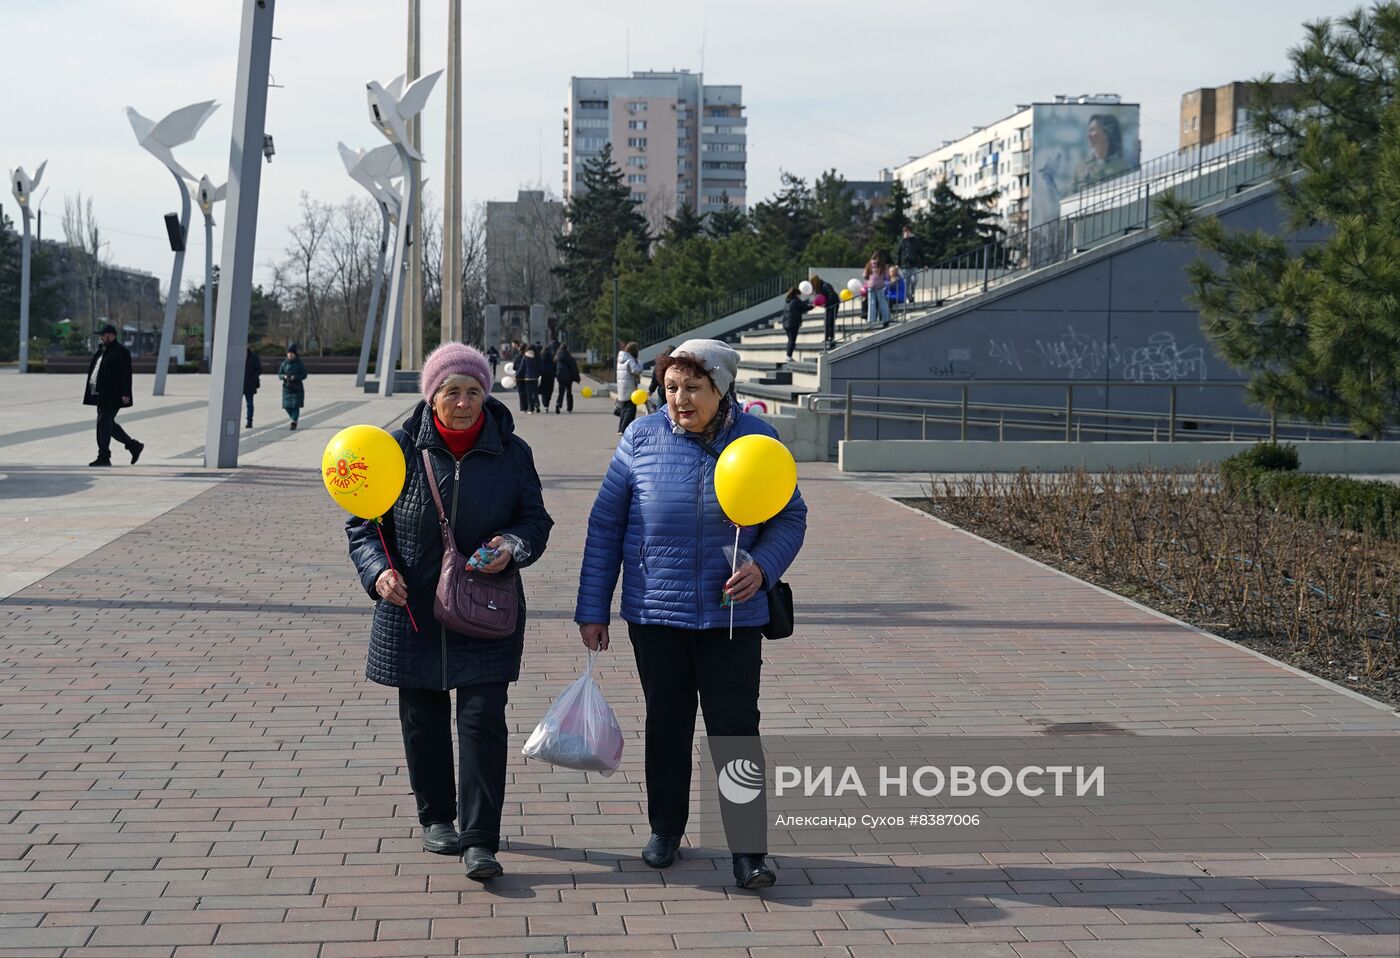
[657, 519]
[491, 494]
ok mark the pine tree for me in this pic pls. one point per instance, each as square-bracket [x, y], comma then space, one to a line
[1318, 327]
[889, 229]
[685, 225]
[725, 221]
[598, 217]
[834, 203]
[787, 222]
[951, 225]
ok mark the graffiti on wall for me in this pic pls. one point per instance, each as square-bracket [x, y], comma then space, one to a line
[1076, 355]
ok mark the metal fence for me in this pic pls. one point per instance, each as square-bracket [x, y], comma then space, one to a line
[1065, 420]
[720, 307]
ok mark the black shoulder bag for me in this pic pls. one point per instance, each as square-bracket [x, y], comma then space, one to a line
[779, 595]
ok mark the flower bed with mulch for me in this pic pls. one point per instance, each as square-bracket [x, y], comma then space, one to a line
[1309, 593]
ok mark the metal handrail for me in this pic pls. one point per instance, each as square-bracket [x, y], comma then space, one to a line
[965, 406]
[720, 307]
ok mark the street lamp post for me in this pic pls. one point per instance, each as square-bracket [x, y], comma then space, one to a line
[375, 170]
[389, 109]
[207, 196]
[22, 186]
[160, 139]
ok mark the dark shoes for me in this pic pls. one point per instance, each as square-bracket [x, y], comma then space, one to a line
[100, 461]
[661, 852]
[481, 864]
[752, 871]
[294, 424]
[136, 448]
[442, 839]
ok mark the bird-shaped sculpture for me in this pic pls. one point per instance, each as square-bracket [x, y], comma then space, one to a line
[375, 170]
[160, 139]
[206, 194]
[390, 109]
[22, 184]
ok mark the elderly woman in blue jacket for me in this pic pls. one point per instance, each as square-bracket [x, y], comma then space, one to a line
[657, 519]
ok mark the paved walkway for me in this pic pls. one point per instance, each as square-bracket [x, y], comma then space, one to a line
[192, 764]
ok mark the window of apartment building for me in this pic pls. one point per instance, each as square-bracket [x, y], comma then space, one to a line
[637, 142]
[636, 178]
[724, 164]
[592, 104]
[722, 130]
[590, 143]
[637, 106]
[638, 197]
[683, 165]
[636, 124]
[723, 147]
[593, 121]
[638, 161]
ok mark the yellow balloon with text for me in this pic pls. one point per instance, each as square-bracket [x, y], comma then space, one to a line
[639, 397]
[587, 392]
[755, 478]
[363, 469]
[847, 295]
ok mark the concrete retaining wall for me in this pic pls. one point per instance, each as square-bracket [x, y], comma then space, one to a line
[904, 455]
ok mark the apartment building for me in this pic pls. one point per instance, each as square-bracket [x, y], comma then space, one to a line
[1032, 158]
[676, 139]
[1210, 114]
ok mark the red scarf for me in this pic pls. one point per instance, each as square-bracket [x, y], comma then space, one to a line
[460, 441]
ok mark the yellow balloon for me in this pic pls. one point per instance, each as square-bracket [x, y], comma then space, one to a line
[587, 392]
[639, 397]
[847, 295]
[363, 469]
[754, 479]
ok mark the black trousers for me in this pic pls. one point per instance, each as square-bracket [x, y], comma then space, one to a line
[792, 338]
[831, 323]
[248, 398]
[426, 718]
[628, 414]
[108, 429]
[546, 389]
[566, 394]
[529, 394]
[676, 666]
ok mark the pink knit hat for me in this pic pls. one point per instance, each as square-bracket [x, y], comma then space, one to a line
[451, 358]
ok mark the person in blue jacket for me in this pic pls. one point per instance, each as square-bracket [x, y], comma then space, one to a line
[656, 519]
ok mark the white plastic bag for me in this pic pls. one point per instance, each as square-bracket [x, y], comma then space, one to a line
[580, 730]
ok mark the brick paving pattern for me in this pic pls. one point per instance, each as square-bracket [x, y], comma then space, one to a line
[193, 764]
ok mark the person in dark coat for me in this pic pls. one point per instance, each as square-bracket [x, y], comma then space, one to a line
[565, 375]
[793, 308]
[527, 381]
[491, 494]
[547, 371]
[252, 379]
[656, 520]
[292, 372]
[109, 389]
[494, 355]
[832, 306]
[910, 259]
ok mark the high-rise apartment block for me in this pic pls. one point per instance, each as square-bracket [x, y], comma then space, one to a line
[1211, 114]
[677, 140]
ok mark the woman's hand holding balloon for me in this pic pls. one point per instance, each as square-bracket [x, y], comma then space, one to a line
[391, 587]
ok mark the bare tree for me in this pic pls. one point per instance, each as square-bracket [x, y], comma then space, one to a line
[307, 279]
[82, 232]
[474, 273]
[660, 204]
[351, 251]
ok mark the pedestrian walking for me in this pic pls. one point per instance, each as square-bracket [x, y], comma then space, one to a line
[874, 283]
[629, 371]
[565, 375]
[794, 306]
[527, 381]
[467, 465]
[909, 257]
[292, 372]
[832, 305]
[109, 389]
[494, 355]
[547, 373]
[657, 519]
[252, 379]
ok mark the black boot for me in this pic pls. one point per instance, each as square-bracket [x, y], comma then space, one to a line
[101, 461]
[481, 864]
[135, 449]
[661, 852]
[441, 838]
[751, 871]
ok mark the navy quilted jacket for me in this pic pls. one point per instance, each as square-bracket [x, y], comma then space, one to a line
[656, 517]
[496, 492]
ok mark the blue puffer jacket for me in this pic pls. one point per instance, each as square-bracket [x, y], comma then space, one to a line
[656, 517]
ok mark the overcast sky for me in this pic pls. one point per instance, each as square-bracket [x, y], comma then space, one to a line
[826, 84]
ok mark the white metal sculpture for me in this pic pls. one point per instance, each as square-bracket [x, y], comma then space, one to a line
[22, 185]
[206, 195]
[160, 140]
[389, 110]
[375, 170]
